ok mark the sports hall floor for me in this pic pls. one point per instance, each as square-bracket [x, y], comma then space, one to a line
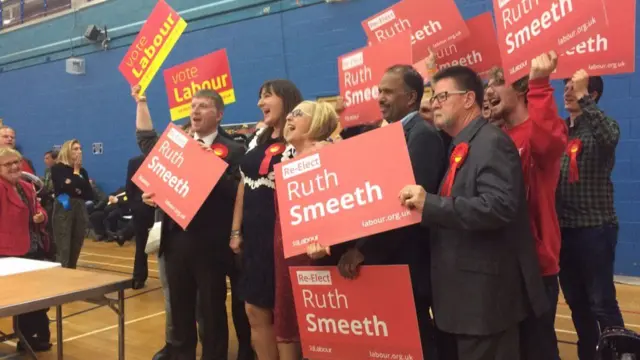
[90, 331]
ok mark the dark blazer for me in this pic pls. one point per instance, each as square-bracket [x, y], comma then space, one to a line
[134, 194]
[410, 245]
[484, 267]
[212, 223]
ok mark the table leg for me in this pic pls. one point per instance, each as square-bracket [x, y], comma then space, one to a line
[23, 340]
[59, 330]
[121, 325]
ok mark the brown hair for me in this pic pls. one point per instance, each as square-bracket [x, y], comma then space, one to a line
[291, 97]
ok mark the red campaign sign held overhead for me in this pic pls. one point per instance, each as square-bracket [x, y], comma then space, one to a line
[479, 51]
[431, 23]
[360, 72]
[180, 173]
[527, 28]
[344, 191]
[608, 49]
[338, 320]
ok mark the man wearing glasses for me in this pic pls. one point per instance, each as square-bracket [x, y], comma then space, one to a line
[400, 94]
[484, 270]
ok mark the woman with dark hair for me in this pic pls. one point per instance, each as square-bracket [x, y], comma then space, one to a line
[255, 216]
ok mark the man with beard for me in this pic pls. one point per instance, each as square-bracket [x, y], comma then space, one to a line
[527, 111]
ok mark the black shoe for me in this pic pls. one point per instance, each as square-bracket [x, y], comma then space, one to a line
[164, 354]
[137, 285]
[36, 346]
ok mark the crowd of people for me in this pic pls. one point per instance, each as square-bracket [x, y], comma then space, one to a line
[516, 203]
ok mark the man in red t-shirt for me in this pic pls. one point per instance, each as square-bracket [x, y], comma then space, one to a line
[527, 111]
[8, 138]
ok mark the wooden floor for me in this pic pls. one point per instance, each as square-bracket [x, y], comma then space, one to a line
[91, 331]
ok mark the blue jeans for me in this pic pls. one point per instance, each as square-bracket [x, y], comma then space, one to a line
[586, 277]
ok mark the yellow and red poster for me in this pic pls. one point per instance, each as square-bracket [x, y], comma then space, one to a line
[329, 198]
[151, 47]
[338, 320]
[206, 72]
[180, 174]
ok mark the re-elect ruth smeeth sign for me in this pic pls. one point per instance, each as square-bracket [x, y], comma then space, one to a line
[338, 319]
[345, 191]
[180, 174]
[527, 28]
[608, 49]
[207, 72]
[479, 51]
[431, 23]
[151, 47]
[360, 72]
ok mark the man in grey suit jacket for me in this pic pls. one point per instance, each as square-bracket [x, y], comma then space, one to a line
[484, 270]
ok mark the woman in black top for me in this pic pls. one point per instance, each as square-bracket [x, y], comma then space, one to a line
[72, 189]
[254, 216]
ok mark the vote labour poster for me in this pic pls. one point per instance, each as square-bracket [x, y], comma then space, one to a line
[479, 51]
[360, 72]
[527, 28]
[431, 23]
[151, 47]
[345, 191]
[608, 49]
[206, 72]
[338, 320]
[180, 174]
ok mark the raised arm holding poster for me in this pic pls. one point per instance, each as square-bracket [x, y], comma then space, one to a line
[608, 49]
[527, 28]
[479, 51]
[207, 72]
[174, 172]
[430, 23]
[338, 319]
[345, 191]
[359, 73]
[151, 47]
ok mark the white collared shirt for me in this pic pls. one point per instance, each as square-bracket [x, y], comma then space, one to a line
[208, 140]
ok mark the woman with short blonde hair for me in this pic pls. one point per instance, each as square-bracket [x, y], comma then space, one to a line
[308, 127]
[72, 189]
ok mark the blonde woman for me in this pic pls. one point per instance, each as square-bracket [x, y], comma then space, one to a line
[72, 189]
[307, 129]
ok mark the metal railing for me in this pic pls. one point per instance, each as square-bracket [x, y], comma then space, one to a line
[17, 12]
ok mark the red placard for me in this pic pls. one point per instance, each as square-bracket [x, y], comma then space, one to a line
[180, 173]
[360, 72]
[344, 191]
[338, 319]
[608, 49]
[206, 72]
[434, 23]
[151, 47]
[527, 28]
[479, 51]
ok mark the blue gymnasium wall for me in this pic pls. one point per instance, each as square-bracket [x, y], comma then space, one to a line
[47, 106]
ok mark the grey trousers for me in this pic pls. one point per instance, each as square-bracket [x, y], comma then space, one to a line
[167, 305]
[69, 227]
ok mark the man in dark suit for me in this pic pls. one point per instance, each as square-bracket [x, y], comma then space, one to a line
[143, 216]
[198, 259]
[401, 89]
[484, 269]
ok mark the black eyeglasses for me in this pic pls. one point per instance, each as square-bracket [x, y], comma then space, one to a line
[298, 113]
[443, 96]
